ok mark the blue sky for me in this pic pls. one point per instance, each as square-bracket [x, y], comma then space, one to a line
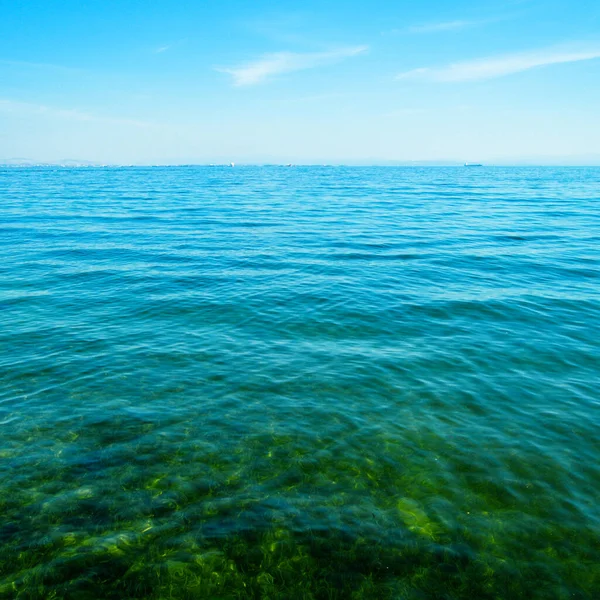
[131, 81]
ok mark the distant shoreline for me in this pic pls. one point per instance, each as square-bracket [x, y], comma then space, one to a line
[44, 165]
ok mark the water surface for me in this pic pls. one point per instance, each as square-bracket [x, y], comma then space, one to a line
[300, 383]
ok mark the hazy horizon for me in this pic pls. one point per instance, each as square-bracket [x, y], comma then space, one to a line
[74, 162]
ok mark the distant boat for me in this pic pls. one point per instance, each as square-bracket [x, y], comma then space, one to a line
[473, 165]
[232, 164]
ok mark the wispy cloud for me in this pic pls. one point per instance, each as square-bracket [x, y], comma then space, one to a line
[35, 65]
[500, 66]
[321, 97]
[287, 27]
[441, 26]
[447, 25]
[169, 46]
[285, 62]
[28, 108]
[405, 112]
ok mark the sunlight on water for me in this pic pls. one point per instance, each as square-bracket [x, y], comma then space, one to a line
[299, 383]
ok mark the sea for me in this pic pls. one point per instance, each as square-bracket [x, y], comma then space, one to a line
[300, 383]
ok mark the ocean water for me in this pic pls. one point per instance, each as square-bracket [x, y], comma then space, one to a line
[315, 382]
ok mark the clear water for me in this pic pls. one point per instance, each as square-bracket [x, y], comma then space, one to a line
[300, 383]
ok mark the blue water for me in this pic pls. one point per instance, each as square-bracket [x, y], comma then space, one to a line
[300, 383]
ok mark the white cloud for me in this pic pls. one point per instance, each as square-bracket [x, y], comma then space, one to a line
[499, 66]
[286, 62]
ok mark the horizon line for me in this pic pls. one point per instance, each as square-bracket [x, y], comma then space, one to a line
[351, 164]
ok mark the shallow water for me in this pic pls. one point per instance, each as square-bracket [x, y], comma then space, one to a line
[300, 383]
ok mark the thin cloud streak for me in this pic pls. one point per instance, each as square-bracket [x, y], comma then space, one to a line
[286, 62]
[169, 46]
[36, 65]
[405, 112]
[500, 66]
[288, 28]
[446, 26]
[441, 26]
[28, 108]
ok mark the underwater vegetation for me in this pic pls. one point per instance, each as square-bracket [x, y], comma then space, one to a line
[278, 516]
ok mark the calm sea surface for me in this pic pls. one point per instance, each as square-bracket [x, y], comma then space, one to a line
[300, 383]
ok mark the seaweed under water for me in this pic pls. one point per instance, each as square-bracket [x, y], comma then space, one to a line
[277, 517]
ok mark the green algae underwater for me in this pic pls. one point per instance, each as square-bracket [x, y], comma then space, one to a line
[325, 383]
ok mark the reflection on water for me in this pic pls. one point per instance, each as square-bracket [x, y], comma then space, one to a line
[299, 383]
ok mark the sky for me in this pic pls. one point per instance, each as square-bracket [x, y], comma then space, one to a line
[137, 82]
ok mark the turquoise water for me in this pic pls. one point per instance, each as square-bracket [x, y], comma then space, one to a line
[300, 383]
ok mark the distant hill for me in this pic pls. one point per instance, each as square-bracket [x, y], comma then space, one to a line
[66, 162]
